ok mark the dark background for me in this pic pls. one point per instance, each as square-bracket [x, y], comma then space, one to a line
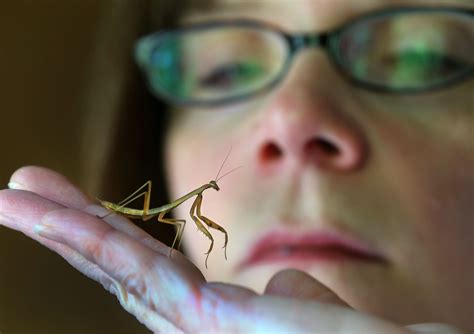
[45, 47]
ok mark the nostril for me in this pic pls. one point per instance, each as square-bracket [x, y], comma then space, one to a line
[322, 145]
[270, 152]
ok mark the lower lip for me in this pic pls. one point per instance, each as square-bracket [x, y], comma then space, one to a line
[308, 254]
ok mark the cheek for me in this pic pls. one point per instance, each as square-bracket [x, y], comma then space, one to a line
[197, 144]
[190, 153]
[432, 170]
[422, 195]
[193, 158]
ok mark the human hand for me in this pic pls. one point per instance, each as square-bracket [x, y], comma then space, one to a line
[167, 294]
[297, 284]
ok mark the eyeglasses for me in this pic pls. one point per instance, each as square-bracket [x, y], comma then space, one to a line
[402, 50]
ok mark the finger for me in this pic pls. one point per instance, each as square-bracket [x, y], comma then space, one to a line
[434, 328]
[124, 225]
[298, 284]
[25, 210]
[50, 185]
[22, 210]
[250, 314]
[150, 276]
[57, 188]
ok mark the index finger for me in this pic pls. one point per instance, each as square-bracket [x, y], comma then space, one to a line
[50, 185]
[57, 188]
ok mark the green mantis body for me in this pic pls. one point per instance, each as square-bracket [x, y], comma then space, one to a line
[147, 213]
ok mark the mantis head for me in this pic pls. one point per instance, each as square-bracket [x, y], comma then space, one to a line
[214, 185]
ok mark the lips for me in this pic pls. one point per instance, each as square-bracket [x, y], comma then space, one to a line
[283, 246]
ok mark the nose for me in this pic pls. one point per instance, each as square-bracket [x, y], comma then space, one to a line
[305, 124]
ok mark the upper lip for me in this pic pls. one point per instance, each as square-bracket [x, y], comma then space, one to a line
[315, 242]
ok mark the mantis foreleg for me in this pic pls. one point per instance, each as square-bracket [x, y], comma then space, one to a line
[200, 226]
[210, 223]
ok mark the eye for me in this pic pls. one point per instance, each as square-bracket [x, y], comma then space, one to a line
[418, 66]
[421, 59]
[232, 75]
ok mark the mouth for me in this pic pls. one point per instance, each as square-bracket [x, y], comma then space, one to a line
[310, 247]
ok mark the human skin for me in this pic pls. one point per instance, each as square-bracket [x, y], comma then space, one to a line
[170, 295]
[397, 161]
[398, 177]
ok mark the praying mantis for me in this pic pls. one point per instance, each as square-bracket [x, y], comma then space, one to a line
[195, 211]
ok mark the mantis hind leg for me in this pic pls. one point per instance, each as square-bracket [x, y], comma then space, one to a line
[134, 196]
[200, 226]
[180, 223]
[210, 223]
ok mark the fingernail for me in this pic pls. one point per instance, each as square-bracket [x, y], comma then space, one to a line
[16, 186]
[48, 232]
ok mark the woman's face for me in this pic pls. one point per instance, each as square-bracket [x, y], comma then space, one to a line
[370, 193]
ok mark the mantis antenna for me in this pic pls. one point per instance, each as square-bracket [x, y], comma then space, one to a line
[223, 162]
[233, 170]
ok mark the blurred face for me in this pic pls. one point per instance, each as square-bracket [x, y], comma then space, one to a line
[370, 193]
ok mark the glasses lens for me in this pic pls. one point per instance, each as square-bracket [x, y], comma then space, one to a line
[215, 64]
[409, 51]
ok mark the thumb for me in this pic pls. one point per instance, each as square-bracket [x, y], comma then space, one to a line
[434, 328]
[298, 284]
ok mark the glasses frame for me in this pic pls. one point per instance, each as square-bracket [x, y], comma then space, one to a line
[296, 42]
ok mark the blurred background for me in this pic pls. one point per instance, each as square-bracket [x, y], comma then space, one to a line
[44, 53]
